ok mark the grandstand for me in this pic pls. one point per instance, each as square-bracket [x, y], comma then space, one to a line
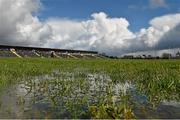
[23, 52]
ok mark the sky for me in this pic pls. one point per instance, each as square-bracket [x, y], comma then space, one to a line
[113, 27]
[137, 12]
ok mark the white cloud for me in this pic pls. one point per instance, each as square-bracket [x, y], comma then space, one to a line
[152, 4]
[158, 4]
[162, 22]
[159, 27]
[101, 33]
[18, 25]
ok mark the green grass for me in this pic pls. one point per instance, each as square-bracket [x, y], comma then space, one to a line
[161, 75]
[158, 79]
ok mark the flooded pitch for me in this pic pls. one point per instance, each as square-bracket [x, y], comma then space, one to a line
[80, 95]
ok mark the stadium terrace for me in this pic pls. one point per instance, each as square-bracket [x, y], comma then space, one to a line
[21, 51]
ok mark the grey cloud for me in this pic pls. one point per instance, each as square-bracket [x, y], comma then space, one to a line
[171, 39]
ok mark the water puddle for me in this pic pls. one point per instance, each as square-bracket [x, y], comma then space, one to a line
[71, 95]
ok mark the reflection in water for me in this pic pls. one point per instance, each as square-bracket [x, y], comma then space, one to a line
[71, 95]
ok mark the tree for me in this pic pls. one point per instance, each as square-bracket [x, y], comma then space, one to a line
[166, 55]
[178, 54]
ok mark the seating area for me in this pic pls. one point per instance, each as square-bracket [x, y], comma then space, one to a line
[46, 54]
[26, 53]
[63, 55]
[6, 53]
[78, 55]
[18, 51]
[91, 56]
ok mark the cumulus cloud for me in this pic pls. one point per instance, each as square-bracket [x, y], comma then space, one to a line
[100, 33]
[171, 39]
[160, 26]
[20, 26]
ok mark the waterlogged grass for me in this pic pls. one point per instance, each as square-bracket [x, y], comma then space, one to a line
[13, 69]
[92, 88]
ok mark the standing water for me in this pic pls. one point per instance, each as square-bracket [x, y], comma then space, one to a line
[80, 95]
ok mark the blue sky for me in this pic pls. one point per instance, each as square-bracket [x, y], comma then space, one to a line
[137, 12]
